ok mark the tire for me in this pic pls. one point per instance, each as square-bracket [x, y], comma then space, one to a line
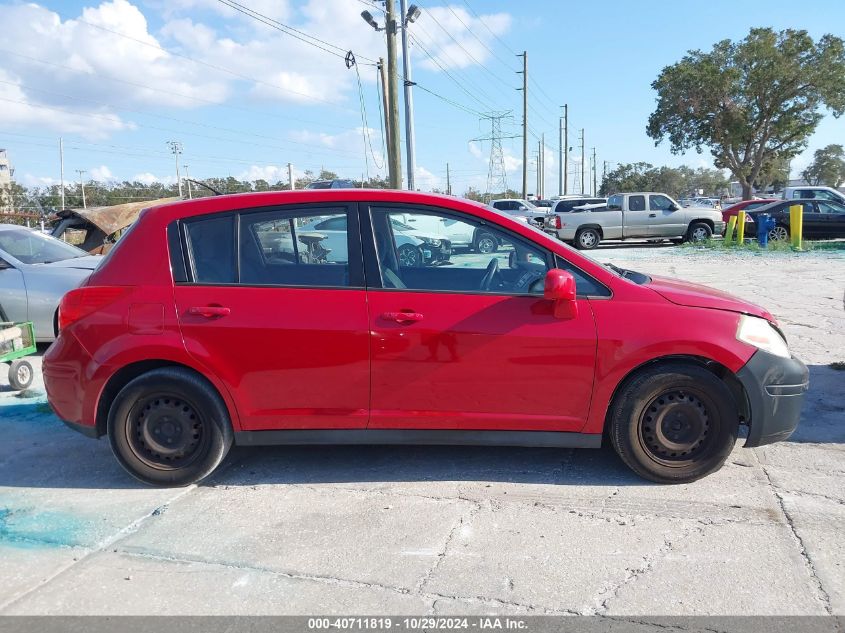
[171, 404]
[699, 232]
[410, 256]
[20, 374]
[587, 239]
[673, 423]
[779, 234]
[485, 243]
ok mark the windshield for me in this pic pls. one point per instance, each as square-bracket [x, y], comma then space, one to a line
[31, 247]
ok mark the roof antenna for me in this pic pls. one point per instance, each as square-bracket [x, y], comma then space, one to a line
[202, 184]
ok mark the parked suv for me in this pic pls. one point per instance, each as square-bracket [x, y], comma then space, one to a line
[200, 330]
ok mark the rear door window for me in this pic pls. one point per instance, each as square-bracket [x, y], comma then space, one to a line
[211, 249]
[636, 203]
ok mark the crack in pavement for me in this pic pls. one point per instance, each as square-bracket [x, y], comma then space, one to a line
[441, 555]
[824, 596]
[104, 544]
[649, 562]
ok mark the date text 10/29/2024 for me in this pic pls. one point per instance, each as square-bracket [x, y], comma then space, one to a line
[427, 623]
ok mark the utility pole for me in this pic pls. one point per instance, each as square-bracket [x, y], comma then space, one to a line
[595, 189]
[537, 189]
[82, 184]
[62, 169]
[582, 162]
[542, 166]
[176, 149]
[560, 158]
[565, 148]
[448, 181]
[524, 73]
[394, 160]
[291, 184]
[188, 180]
[410, 137]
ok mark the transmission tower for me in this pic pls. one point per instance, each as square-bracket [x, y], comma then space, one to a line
[497, 179]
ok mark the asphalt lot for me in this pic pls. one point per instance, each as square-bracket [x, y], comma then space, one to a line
[446, 530]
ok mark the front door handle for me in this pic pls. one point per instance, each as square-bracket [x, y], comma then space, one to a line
[209, 312]
[405, 316]
[652, 215]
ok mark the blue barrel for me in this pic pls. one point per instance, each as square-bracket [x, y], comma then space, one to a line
[765, 223]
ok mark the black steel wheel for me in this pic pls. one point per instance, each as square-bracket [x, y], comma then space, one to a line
[673, 422]
[169, 427]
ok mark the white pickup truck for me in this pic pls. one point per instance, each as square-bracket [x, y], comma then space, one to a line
[640, 215]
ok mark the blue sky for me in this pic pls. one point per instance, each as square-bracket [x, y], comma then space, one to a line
[118, 79]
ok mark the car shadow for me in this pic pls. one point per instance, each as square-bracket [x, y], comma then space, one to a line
[606, 246]
[38, 451]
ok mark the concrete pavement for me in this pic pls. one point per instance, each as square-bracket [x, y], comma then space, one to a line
[450, 530]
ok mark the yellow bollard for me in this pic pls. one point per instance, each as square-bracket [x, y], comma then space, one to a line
[729, 232]
[740, 228]
[796, 224]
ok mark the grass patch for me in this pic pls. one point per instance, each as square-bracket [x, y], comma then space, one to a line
[838, 365]
[43, 407]
[751, 246]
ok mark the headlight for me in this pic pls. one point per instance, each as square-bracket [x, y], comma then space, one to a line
[428, 240]
[760, 333]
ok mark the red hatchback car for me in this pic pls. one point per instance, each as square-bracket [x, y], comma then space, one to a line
[227, 320]
[744, 205]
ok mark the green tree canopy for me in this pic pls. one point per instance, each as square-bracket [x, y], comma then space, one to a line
[751, 102]
[676, 181]
[827, 168]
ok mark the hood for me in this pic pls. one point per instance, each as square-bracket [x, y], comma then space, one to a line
[115, 217]
[88, 262]
[685, 293]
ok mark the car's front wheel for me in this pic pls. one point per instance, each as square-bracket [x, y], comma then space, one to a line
[410, 256]
[169, 427]
[699, 232]
[673, 423]
[485, 243]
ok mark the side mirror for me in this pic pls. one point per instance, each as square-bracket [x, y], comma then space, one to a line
[559, 287]
[4, 264]
[673, 207]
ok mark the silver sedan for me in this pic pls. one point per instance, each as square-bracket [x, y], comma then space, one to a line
[36, 270]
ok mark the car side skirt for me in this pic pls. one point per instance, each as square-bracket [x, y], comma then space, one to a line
[419, 436]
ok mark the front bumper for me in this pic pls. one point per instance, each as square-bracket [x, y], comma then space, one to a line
[775, 388]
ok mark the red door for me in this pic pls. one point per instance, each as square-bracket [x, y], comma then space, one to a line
[479, 362]
[470, 343]
[293, 357]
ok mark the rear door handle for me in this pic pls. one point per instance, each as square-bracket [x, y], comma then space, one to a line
[209, 312]
[404, 316]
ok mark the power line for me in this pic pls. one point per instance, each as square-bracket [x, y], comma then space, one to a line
[302, 36]
[484, 24]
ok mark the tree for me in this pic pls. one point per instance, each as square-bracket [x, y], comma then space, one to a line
[676, 181]
[827, 168]
[750, 101]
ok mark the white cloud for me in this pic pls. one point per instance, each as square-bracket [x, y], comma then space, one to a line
[426, 180]
[72, 74]
[148, 178]
[462, 46]
[101, 174]
[29, 180]
[270, 173]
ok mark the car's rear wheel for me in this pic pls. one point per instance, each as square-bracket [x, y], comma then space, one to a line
[699, 232]
[169, 427]
[673, 423]
[587, 239]
[485, 243]
[779, 234]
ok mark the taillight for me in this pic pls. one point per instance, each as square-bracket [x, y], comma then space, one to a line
[557, 222]
[81, 302]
